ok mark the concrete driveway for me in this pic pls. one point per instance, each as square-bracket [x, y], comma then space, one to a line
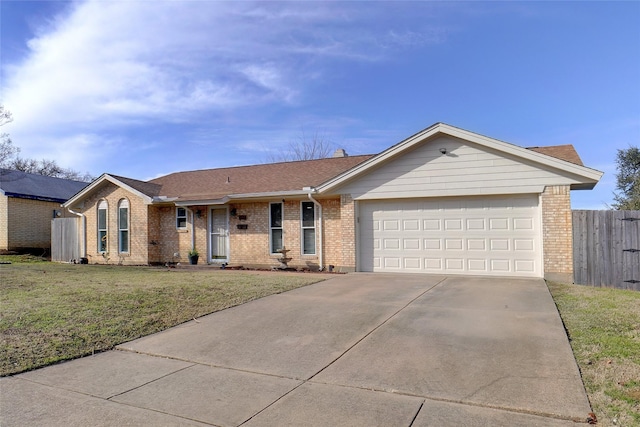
[355, 350]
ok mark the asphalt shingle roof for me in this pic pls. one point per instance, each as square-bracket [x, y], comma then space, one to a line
[31, 186]
[266, 178]
[562, 152]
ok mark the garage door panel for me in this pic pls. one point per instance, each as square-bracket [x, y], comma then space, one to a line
[412, 244]
[453, 224]
[476, 245]
[476, 224]
[523, 224]
[474, 235]
[411, 225]
[433, 264]
[454, 264]
[477, 265]
[453, 244]
[498, 223]
[499, 244]
[523, 244]
[431, 225]
[432, 244]
[412, 264]
[524, 266]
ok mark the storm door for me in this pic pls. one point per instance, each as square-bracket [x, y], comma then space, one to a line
[219, 239]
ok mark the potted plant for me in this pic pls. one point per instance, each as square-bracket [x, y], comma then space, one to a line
[193, 256]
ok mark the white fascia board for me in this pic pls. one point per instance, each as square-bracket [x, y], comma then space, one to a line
[187, 203]
[506, 147]
[591, 175]
[105, 177]
[269, 194]
[243, 196]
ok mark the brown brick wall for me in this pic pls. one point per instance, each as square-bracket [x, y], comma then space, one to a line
[4, 222]
[557, 232]
[138, 227]
[155, 239]
[348, 228]
[26, 223]
[250, 247]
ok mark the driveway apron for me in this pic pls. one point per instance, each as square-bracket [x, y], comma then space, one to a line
[357, 350]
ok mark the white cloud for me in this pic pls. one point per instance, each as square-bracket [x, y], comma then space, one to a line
[103, 67]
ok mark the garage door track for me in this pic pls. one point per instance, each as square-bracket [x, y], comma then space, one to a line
[356, 350]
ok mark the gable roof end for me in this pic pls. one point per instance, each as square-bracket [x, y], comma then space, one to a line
[142, 189]
[565, 161]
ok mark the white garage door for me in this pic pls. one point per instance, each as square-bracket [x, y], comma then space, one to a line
[472, 235]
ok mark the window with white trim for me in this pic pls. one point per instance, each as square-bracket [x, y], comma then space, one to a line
[181, 218]
[308, 223]
[123, 226]
[276, 240]
[102, 226]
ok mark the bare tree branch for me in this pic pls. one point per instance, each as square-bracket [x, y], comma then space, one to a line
[305, 147]
[9, 158]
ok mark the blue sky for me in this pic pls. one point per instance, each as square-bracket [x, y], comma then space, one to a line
[145, 88]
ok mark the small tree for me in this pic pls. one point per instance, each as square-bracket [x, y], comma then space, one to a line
[7, 149]
[306, 147]
[628, 180]
[9, 158]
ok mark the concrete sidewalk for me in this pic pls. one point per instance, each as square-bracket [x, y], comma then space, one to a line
[357, 350]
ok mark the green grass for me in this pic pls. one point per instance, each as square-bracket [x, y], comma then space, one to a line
[604, 330]
[51, 312]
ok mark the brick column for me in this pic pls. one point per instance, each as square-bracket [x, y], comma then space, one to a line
[348, 234]
[557, 233]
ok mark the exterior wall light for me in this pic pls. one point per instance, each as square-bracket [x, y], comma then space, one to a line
[443, 150]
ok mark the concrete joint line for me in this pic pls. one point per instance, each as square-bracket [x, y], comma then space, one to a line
[272, 403]
[152, 381]
[413, 420]
[375, 329]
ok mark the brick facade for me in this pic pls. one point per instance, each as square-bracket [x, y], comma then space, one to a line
[154, 238]
[138, 227]
[250, 246]
[557, 233]
[26, 223]
[348, 235]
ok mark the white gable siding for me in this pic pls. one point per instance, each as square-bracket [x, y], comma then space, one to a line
[466, 169]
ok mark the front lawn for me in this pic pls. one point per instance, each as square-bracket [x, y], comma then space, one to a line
[51, 312]
[604, 330]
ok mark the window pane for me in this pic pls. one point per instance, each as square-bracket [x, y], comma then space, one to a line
[102, 241]
[276, 215]
[102, 219]
[309, 243]
[124, 241]
[124, 218]
[308, 214]
[181, 218]
[276, 240]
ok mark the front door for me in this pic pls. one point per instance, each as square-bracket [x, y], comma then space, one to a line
[219, 227]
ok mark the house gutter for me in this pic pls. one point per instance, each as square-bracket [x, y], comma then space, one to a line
[321, 253]
[84, 231]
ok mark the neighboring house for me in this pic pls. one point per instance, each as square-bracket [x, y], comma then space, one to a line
[443, 201]
[28, 203]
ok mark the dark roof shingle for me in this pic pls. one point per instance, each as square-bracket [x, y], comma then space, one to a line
[39, 187]
[562, 152]
[212, 184]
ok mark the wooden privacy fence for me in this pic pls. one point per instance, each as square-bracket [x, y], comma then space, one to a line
[606, 248]
[65, 239]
